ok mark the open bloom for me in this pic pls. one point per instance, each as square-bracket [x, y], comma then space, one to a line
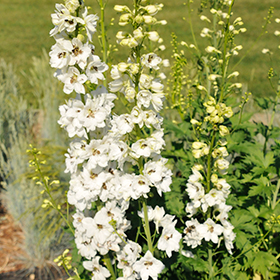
[148, 266]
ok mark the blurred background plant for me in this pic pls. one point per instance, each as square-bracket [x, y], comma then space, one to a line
[22, 123]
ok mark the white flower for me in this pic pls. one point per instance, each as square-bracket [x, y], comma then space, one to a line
[63, 20]
[141, 148]
[169, 240]
[95, 68]
[79, 53]
[151, 60]
[99, 272]
[193, 235]
[90, 22]
[122, 124]
[148, 266]
[158, 216]
[60, 54]
[73, 80]
[145, 81]
[210, 231]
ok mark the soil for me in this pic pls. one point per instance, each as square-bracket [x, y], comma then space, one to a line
[12, 255]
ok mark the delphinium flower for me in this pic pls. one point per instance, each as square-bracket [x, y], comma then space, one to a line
[86, 118]
[138, 80]
[207, 188]
[113, 159]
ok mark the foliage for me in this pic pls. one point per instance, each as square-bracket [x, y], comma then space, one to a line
[20, 125]
[253, 154]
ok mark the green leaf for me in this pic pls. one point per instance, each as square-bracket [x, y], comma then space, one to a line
[263, 102]
[180, 130]
[262, 188]
[199, 264]
[263, 262]
[268, 159]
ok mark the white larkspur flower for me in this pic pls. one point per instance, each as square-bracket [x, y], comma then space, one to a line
[60, 54]
[192, 236]
[63, 20]
[151, 60]
[170, 239]
[73, 80]
[90, 23]
[99, 272]
[122, 124]
[79, 53]
[148, 266]
[95, 69]
[210, 231]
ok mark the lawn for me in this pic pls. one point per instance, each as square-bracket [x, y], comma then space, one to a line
[26, 24]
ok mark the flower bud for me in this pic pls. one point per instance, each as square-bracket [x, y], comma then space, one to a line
[214, 178]
[153, 36]
[151, 9]
[139, 19]
[149, 20]
[138, 34]
[121, 8]
[162, 22]
[132, 43]
[122, 66]
[198, 145]
[130, 93]
[81, 37]
[124, 19]
[134, 68]
[72, 5]
[223, 130]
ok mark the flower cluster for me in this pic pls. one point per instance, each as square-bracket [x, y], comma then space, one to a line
[206, 190]
[113, 159]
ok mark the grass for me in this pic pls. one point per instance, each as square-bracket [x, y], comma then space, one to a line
[25, 26]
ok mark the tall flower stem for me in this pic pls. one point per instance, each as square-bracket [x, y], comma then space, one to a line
[209, 161]
[109, 266]
[43, 179]
[103, 37]
[210, 263]
[147, 227]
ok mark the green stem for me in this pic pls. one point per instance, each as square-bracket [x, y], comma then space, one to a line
[147, 227]
[209, 161]
[210, 264]
[275, 195]
[109, 266]
[191, 26]
[54, 204]
[103, 38]
[225, 61]
[250, 49]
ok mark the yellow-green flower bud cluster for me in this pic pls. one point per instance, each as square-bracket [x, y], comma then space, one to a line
[143, 16]
[200, 149]
[217, 112]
